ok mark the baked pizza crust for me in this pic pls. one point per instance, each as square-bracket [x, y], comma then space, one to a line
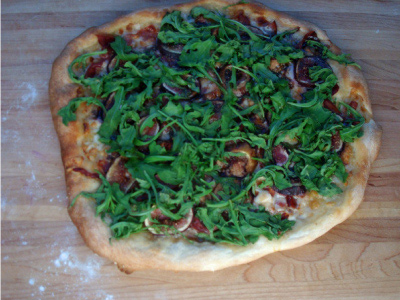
[143, 250]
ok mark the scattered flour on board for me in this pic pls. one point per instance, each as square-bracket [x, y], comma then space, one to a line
[33, 188]
[32, 281]
[88, 269]
[28, 98]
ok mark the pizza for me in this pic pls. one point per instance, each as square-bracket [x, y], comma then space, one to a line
[209, 134]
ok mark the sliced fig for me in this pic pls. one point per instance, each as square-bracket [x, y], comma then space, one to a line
[296, 90]
[167, 132]
[269, 28]
[309, 36]
[260, 123]
[119, 173]
[108, 104]
[112, 64]
[255, 29]
[297, 189]
[104, 164]
[199, 226]
[96, 68]
[169, 53]
[209, 90]
[242, 79]
[240, 166]
[202, 21]
[215, 117]
[172, 186]
[337, 143]
[280, 155]
[181, 91]
[246, 102]
[275, 66]
[180, 225]
[302, 69]
[149, 131]
[218, 105]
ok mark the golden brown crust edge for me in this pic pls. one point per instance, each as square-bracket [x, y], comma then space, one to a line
[145, 252]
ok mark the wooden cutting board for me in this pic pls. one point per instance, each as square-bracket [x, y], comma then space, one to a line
[43, 256]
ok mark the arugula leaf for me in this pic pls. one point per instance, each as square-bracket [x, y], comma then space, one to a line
[113, 116]
[123, 50]
[197, 53]
[342, 58]
[68, 112]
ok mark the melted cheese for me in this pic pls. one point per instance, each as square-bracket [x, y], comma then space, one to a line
[277, 204]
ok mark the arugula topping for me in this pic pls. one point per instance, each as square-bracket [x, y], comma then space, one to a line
[68, 112]
[342, 58]
[178, 112]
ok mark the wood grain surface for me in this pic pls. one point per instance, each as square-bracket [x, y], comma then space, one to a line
[43, 256]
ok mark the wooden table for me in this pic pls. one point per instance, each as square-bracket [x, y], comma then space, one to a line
[43, 256]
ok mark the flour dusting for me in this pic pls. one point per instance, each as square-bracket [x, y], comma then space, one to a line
[28, 98]
[29, 95]
[88, 269]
